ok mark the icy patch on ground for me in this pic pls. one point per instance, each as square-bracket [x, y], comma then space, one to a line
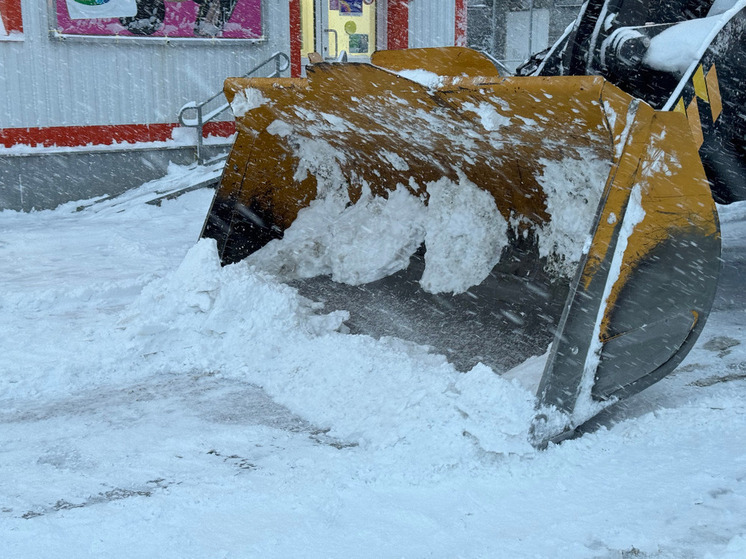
[465, 236]
[247, 100]
[573, 188]
[736, 549]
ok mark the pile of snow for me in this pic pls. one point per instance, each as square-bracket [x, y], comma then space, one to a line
[378, 394]
[246, 100]
[357, 244]
[678, 48]
[110, 315]
[461, 226]
[425, 78]
[465, 235]
[490, 119]
[573, 189]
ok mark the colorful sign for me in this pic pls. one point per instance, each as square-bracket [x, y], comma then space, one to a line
[11, 22]
[351, 7]
[210, 19]
[95, 9]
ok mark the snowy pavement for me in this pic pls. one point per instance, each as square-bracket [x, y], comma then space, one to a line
[153, 404]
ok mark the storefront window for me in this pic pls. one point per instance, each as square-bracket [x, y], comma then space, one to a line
[209, 19]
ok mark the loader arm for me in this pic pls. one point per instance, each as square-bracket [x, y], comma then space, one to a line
[682, 55]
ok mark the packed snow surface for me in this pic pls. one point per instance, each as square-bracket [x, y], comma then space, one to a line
[246, 100]
[465, 236]
[461, 226]
[360, 243]
[679, 47]
[425, 78]
[573, 189]
[357, 244]
[154, 404]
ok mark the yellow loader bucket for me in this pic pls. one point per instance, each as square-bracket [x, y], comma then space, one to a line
[486, 217]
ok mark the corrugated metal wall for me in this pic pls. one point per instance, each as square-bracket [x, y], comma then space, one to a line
[52, 82]
[432, 23]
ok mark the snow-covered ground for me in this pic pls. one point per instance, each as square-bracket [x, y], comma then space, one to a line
[153, 404]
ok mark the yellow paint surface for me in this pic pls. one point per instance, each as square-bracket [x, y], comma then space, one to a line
[381, 117]
[692, 114]
[700, 88]
[365, 25]
[341, 24]
[306, 22]
[713, 89]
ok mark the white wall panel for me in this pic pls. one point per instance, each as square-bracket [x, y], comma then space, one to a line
[432, 23]
[527, 32]
[52, 82]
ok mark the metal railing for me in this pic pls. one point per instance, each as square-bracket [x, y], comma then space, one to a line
[499, 64]
[202, 114]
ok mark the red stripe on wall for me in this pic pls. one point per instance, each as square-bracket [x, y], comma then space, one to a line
[295, 39]
[397, 22]
[77, 136]
[11, 13]
[461, 21]
[222, 129]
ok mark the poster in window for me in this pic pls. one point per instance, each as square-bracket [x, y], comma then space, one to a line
[359, 43]
[209, 19]
[11, 22]
[351, 7]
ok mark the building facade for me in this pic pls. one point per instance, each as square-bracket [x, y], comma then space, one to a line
[512, 30]
[90, 78]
